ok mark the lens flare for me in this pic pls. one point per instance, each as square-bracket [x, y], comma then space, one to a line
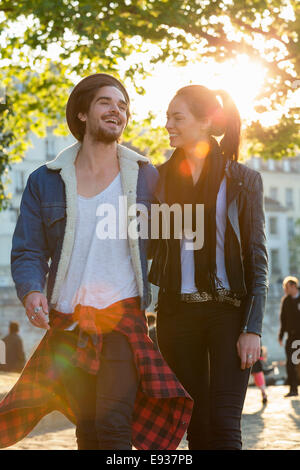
[184, 168]
[202, 149]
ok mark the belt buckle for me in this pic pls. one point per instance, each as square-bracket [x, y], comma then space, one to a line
[195, 297]
[223, 295]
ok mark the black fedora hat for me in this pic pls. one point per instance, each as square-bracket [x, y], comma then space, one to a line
[85, 86]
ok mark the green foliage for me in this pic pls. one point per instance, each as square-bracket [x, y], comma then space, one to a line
[278, 141]
[6, 139]
[87, 36]
[151, 141]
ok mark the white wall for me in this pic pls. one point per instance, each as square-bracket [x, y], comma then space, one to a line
[34, 158]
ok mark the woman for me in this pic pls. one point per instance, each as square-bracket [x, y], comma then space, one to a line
[211, 299]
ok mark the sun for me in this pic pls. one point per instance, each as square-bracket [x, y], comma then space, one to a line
[242, 78]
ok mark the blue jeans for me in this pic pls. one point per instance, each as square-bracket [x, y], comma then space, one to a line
[103, 403]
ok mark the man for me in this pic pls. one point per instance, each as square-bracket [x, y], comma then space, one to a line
[94, 363]
[290, 324]
[14, 352]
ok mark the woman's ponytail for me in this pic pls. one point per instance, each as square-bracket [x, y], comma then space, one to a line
[231, 140]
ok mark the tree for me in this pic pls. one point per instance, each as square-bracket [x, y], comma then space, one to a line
[6, 140]
[88, 36]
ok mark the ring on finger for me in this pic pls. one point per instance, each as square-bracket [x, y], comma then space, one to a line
[37, 309]
[33, 316]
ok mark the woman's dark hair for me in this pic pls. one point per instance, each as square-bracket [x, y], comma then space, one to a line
[225, 118]
[83, 94]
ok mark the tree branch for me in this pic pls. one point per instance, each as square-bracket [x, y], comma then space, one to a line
[235, 46]
[248, 27]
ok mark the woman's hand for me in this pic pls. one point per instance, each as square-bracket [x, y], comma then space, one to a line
[248, 348]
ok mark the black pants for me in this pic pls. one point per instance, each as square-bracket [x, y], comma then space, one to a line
[291, 369]
[103, 403]
[198, 340]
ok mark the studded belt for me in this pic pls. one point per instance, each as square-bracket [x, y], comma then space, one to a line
[222, 295]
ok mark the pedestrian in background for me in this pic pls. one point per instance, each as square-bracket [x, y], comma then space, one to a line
[257, 372]
[290, 324]
[14, 351]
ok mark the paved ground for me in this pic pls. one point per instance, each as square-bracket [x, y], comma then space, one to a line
[274, 426]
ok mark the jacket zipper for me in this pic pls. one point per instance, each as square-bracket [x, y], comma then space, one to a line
[167, 246]
[245, 328]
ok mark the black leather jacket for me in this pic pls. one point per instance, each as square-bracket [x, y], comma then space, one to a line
[245, 242]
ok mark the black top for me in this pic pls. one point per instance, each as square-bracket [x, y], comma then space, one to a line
[290, 317]
[246, 257]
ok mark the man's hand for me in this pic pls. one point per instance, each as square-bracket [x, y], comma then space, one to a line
[33, 300]
[248, 348]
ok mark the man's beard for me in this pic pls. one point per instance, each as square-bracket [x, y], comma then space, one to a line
[107, 136]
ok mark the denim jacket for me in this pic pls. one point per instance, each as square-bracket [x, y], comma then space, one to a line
[45, 232]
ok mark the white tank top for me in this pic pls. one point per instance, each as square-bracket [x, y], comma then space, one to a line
[100, 270]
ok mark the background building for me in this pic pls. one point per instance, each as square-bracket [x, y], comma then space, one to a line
[41, 151]
[10, 307]
[281, 181]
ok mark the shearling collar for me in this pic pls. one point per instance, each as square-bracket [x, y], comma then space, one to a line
[129, 169]
[67, 156]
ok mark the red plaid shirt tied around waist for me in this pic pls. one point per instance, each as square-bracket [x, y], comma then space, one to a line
[162, 408]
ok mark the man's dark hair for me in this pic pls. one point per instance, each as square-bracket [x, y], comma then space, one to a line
[83, 94]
